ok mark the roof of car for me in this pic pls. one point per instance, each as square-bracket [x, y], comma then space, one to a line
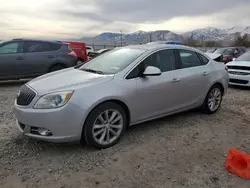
[37, 40]
[159, 46]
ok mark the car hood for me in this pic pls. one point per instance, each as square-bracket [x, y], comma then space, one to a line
[66, 79]
[239, 63]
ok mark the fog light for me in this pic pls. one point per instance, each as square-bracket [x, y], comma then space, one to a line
[44, 132]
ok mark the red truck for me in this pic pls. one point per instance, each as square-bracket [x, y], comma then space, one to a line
[80, 49]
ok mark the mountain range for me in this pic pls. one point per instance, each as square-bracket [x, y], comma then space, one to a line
[202, 35]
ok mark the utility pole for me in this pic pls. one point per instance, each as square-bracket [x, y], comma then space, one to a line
[121, 37]
[150, 37]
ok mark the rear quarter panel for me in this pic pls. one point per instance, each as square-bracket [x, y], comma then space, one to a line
[219, 74]
[65, 59]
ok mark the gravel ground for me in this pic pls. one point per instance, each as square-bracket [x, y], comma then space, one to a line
[185, 150]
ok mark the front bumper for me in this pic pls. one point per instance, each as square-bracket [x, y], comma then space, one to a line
[65, 123]
[239, 80]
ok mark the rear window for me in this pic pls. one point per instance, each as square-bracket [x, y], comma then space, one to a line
[37, 46]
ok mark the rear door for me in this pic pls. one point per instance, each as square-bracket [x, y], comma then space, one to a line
[193, 77]
[39, 56]
[11, 59]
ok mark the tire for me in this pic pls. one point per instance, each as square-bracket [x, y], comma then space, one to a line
[56, 68]
[93, 125]
[206, 106]
[80, 61]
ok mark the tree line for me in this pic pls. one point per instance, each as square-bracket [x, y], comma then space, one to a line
[239, 41]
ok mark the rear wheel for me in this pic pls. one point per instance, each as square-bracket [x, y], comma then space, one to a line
[213, 100]
[105, 125]
[56, 68]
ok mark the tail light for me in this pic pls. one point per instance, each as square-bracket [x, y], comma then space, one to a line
[72, 53]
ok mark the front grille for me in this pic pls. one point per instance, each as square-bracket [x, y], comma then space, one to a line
[239, 73]
[238, 67]
[25, 96]
[237, 81]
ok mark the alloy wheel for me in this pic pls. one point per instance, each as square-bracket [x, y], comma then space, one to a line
[214, 99]
[107, 127]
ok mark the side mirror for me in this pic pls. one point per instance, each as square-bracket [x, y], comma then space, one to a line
[234, 59]
[151, 71]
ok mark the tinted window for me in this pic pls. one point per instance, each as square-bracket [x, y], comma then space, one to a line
[33, 46]
[203, 59]
[189, 59]
[55, 46]
[229, 52]
[10, 48]
[113, 61]
[164, 60]
[88, 48]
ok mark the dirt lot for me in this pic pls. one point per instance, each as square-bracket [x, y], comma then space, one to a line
[185, 150]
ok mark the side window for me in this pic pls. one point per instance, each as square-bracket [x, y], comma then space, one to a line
[203, 59]
[134, 73]
[164, 60]
[55, 46]
[10, 48]
[236, 51]
[33, 46]
[189, 59]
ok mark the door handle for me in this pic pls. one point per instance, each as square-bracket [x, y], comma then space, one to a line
[205, 73]
[19, 58]
[175, 80]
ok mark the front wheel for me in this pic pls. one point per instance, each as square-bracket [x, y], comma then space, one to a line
[105, 125]
[213, 100]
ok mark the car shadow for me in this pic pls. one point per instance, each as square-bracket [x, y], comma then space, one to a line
[239, 87]
[11, 83]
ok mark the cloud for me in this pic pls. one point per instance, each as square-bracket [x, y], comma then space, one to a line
[76, 18]
[156, 10]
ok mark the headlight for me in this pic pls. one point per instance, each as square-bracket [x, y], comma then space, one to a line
[53, 100]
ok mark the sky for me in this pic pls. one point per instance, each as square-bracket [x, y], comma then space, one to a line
[78, 18]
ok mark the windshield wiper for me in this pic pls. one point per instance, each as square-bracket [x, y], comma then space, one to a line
[93, 71]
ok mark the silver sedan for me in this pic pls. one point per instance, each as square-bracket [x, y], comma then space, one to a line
[97, 101]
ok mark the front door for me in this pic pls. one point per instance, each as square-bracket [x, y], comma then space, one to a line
[155, 94]
[11, 59]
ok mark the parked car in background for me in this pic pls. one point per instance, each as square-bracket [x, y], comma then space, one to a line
[122, 87]
[97, 53]
[89, 49]
[80, 49]
[239, 70]
[28, 58]
[211, 50]
[166, 42]
[230, 52]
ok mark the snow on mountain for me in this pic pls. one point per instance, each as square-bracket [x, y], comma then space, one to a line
[204, 34]
[238, 29]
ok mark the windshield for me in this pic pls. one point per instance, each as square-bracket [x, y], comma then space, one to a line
[113, 61]
[244, 57]
[220, 51]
